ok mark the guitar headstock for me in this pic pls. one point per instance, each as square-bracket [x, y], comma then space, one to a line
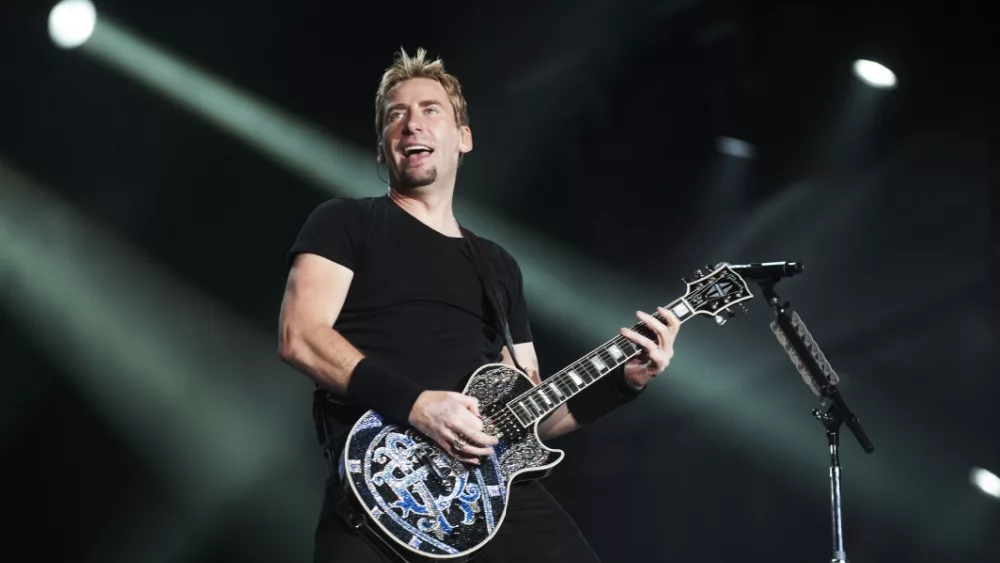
[715, 290]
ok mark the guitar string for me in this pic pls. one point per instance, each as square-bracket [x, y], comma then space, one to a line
[563, 382]
[562, 378]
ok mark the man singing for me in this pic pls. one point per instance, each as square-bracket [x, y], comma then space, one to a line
[384, 310]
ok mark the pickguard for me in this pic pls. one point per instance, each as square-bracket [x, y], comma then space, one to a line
[424, 499]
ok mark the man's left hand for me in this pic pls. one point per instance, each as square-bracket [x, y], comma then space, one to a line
[641, 369]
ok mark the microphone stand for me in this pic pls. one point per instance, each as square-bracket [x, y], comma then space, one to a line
[835, 414]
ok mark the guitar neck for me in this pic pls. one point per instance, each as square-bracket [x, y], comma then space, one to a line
[561, 387]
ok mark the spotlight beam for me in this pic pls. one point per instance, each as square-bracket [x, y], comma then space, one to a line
[190, 387]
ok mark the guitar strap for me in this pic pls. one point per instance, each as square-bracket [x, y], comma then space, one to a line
[487, 275]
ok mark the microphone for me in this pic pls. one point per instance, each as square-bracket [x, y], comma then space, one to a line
[764, 271]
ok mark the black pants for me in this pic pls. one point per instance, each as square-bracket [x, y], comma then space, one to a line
[535, 529]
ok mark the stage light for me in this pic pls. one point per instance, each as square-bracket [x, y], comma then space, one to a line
[874, 74]
[986, 481]
[735, 147]
[71, 23]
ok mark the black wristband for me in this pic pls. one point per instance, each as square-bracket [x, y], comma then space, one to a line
[387, 392]
[625, 391]
[602, 397]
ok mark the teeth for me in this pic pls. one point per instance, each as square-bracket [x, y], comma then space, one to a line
[410, 150]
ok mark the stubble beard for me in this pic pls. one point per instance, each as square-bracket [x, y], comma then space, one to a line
[411, 179]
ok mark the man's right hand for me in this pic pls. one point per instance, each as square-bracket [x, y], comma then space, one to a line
[449, 418]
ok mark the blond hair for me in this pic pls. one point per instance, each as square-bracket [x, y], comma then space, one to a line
[405, 67]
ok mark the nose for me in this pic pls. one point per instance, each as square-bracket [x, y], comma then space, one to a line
[413, 123]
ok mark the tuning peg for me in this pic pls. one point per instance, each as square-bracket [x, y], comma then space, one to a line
[743, 308]
[720, 320]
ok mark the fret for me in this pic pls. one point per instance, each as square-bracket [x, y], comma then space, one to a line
[599, 364]
[646, 331]
[575, 377]
[541, 393]
[601, 361]
[615, 352]
[529, 408]
[570, 385]
[579, 375]
[681, 309]
[628, 347]
[535, 405]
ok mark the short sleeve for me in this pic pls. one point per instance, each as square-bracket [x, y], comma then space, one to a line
[334, 230]
[517, 304]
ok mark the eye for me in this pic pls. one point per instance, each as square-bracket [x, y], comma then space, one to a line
[433, 109]
[394, 115]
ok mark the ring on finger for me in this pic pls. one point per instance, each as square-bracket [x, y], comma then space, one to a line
[458, 444]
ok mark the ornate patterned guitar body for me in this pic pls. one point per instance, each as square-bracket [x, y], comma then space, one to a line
[425, 505]
[419, 495]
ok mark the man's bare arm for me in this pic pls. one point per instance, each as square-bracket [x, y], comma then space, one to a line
[561, 421]
[314, 296]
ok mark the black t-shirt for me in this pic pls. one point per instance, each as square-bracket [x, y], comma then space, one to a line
[416, 303]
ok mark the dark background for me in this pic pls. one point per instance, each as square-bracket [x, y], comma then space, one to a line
[595, 125]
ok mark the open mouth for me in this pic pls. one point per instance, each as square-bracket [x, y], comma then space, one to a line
[416, 153]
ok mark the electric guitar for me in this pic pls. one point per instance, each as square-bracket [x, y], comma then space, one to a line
[424, 505]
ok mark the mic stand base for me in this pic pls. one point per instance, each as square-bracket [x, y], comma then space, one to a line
[832, 420]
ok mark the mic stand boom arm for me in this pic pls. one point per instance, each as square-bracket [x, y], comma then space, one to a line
[837, 412]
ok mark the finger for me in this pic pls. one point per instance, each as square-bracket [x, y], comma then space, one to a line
[472, 448]
[466, 420]
[652, 322]
[654, 362]
[673, 321]
[660, 363]
[461, 455]
[464, 455]
[472, 404]
[477, 438]
[639, 339]
[471, 431]
[481, 439]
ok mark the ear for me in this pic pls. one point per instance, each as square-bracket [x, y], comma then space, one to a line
[465, 142]
[379, 153]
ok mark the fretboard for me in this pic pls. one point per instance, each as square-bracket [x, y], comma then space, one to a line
[561, 387]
